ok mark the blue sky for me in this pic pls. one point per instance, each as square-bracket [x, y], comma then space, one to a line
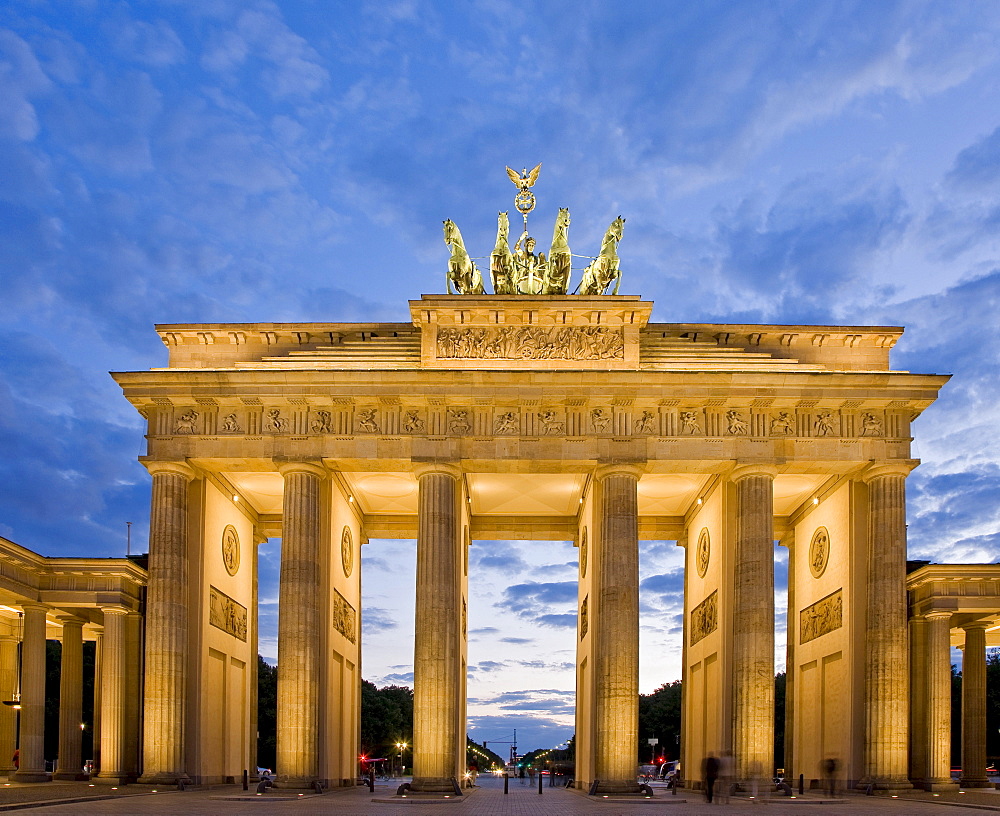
[249, 161]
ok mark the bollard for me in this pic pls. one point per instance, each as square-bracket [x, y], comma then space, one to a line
[506, 781]
[246, 780]
[802, 784]
[539, 783]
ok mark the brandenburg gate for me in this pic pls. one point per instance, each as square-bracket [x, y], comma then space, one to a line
[536, 415]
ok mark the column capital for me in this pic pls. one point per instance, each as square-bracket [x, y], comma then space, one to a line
[936, 614]
[114, 609]
[33, 606]
[877, 469]
[452, 469]
[742, 470]
[636, 469]
[179, 468]
[313, 466]
[984, 625]
[70, 620]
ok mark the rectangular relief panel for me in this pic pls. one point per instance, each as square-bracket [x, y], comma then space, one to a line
[822, 617]
[705, 618]
[226, 614]
[345, 617]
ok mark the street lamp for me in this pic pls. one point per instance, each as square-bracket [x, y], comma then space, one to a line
[401, 746]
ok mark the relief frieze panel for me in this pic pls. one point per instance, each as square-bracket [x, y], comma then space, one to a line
[705, 618]
[531, 343]
[344, 616]
[822, 617]
[227, 614]
[561, 419]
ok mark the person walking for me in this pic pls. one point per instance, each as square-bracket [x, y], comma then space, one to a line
[727, 769]
[710, 774]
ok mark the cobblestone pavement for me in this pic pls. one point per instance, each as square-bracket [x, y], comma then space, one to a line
[487, 800]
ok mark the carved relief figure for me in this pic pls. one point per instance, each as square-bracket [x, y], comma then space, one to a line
[322, 423]
[462, 272]
[703, 553]
[344, 617]
[458, 422]
[644, 424]
[185, 422]
[275, 422]
[530, 343]
[231, 549]
[783, 424]
[736, 425]
[583, 554]
[600, 420]
[347, 551]
[226, 614]
[824, 424]
[501, 260]
[551, 424]
[413, 423]
[705, 618]
[822, 617]
[368, 420]
[505, 423]
[690, 423]
[560, 260]
[604, 269]
[871, 425]
[584, 622]
[230, 424]
[819, 552]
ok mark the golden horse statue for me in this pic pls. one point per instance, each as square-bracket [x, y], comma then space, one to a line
[597, 277]
[502, 260]
[462, 271]
[560, 260]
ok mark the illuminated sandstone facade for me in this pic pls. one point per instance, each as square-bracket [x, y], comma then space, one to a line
[560, 418]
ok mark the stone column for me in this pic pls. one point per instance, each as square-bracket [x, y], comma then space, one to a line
[919, 733]
[937, 669]
[886, 675]
[133, 692]
[974, 707]
[299, 626]
[71, 701]
[792, 627]
[32, 742]
[616, 632]
[113, 702]
[437, 654]
[8, 716]
[753, 622]
[96, 735]
[166, 686]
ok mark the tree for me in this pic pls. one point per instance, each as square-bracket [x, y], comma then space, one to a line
[267, 714]
[660, 717]
[386, 718]
[779, 719]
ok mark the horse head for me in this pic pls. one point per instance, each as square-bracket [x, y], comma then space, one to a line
[503, 225]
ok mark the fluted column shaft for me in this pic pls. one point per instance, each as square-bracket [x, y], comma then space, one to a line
[8, 716]
[886, 676]
[299, 625]
[113, 703]
[437, 656]
[32, 743]
[616, 633]
[753, 624]
[70, 701]
[938, 691]
[167, 625]
[919, 700]
[974, 707]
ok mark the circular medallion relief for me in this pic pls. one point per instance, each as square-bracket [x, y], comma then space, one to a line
[702, 554]
[231, 549]
[819, 552]
[347, 551]
[583, 554]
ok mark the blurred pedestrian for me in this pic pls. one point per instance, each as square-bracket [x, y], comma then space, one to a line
[710, 774]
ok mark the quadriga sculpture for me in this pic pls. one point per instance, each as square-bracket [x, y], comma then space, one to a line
[462, 271]
[501, 260]
[604, 268]
[560, 260]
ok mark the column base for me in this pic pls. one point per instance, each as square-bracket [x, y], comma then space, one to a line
[880, 786]
[939, 785]
[619, 787]
[31, 776]
[71, 776]
[294, 783]
[165, 778]
[975, 783]
[112, 779]
[440, 785]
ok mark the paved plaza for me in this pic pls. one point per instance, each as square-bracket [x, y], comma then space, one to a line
[487, 800]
